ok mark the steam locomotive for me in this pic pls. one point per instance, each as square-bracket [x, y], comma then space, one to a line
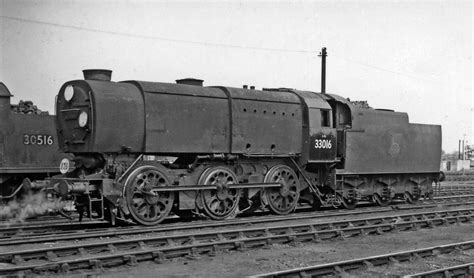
[28, 146]
[145, 150]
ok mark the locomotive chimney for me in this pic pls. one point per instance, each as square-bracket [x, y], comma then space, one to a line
[252, 87]
[245, 87]
[190, 81]
[97, 74]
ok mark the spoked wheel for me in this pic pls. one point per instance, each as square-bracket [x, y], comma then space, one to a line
[349, 203]
[382, 201]
[282, 200]
[146, 206]
[409, 198]
[221, 202]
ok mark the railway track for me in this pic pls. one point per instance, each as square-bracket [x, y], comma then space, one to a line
[459, 176]
[55, 221]
[32, 238]
[463, 270]
[469, 182]
[450, 192]
[52, 226]
[55, 230]
[160, 247]
[338, 269]
[33, 234]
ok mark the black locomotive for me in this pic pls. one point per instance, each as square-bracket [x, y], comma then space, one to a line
[28, 146]
[144, 150]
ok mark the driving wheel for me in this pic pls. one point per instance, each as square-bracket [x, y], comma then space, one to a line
[221, 202]
[146, 206]
[283, 199]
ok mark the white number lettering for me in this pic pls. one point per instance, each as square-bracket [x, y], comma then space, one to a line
[322, 144]
[39, 140]
[26, 139]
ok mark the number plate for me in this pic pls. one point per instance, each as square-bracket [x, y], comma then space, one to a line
[322, 144]
[38, 139]
[323, 147]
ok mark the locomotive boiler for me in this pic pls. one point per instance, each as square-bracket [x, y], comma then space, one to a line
[28, 146]
[145, 150]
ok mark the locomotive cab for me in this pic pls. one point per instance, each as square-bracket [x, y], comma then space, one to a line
[322, 134]
[342, 120]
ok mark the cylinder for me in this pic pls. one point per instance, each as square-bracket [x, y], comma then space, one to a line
[65, 188]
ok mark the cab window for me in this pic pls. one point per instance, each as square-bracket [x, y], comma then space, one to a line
[320, 117]
[325, 118]
[315, 117]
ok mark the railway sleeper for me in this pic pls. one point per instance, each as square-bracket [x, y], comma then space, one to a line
[95, 264]
[130, 260]
[51, 256]
[216, 250]
[65, 268]
[142, 245]
[394, 261]
[338, 270]
[17, 259]
[83, 252]
[240, 246]
[159, 257]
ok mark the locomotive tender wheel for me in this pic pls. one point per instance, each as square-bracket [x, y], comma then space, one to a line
[383, 202]
[146, 206]
[222, 202]
[349, 203]
[282, 200]
[409, 198]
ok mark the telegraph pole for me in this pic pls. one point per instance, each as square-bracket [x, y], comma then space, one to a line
[459, 150]
[323, 55]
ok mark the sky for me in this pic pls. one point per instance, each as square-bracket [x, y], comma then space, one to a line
[409, 56]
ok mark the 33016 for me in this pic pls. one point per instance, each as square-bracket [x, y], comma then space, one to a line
[322, 144]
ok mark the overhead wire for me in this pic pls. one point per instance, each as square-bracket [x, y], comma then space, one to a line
[80, 28]
[213, 44]
[384, 69]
